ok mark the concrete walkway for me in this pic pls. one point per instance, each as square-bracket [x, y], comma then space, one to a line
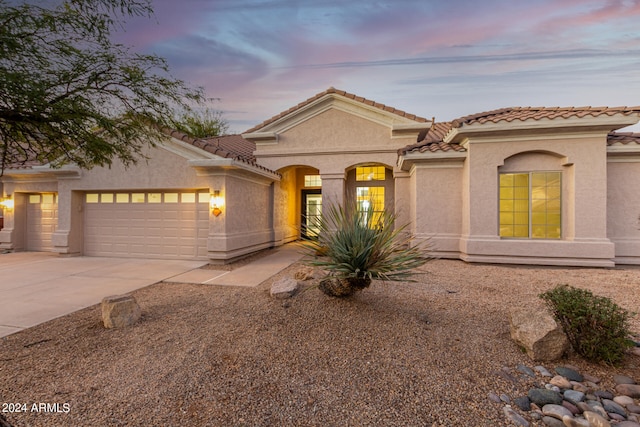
[37, 286]
[250, 275]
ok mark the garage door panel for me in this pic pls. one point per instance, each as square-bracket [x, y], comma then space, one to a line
[155, 225]
[42, 220]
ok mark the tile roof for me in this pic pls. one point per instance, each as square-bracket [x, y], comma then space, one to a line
[623, 138]
[333, 90]
[228, 146]
[537, 113]
[433, 139]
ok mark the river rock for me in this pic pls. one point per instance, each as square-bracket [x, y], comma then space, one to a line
[556, 411]
[552, 422]
[631, 390]
[560, 381]
[569, 421]
[623, 400]
[573, 396]
[515, 417]
[570, 374]
[623, 379]
[542, 396]
[596, 420]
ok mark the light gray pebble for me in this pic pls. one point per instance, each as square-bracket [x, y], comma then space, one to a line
[623, 379]
[623, 400]
[494, 397]
[573, 396]
[552, 422]
[556, 411]
[543, 371]
[515, 417]
[526, 370]
[612, 407]
[575, 422]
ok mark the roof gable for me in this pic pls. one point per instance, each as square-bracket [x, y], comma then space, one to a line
[401, 121]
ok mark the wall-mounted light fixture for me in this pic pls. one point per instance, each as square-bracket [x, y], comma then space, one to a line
[216, 202]
[6, 202]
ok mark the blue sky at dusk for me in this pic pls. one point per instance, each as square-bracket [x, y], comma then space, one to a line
[431, 58]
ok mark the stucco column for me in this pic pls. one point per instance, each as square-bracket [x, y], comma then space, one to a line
[332, 188]
[404, 206]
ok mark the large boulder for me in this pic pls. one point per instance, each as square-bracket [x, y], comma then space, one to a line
[537, 332]
[119, 311]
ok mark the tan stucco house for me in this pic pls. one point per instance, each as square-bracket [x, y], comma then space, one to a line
[551, 186]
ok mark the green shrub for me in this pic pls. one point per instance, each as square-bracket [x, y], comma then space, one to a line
[597, 328]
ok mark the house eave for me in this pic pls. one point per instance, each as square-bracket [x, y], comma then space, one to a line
[604, 124]
[205, 167]
[407, 161]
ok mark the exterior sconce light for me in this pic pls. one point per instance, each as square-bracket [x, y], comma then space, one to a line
[6, 202]
[216, 202]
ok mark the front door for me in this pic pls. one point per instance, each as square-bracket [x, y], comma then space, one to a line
[311, 212]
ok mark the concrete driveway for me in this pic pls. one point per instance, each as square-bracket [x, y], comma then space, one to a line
[39, 286]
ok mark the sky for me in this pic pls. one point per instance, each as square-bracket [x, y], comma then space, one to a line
[433, 58]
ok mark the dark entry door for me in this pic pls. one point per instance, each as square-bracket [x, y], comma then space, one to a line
[311, 212]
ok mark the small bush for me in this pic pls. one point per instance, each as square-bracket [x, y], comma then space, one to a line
[597, 328]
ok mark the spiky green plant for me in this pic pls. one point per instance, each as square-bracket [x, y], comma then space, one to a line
[360, 246]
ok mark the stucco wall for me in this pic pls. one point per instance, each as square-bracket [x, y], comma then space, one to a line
[623, 208]
[582, 159]
[438, 206]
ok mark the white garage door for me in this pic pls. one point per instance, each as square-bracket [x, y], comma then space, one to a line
[42, 219]
[167, 224]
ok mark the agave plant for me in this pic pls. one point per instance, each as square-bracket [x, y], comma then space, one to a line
[357, 247]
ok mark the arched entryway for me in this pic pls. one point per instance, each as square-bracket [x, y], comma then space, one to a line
[301, 201]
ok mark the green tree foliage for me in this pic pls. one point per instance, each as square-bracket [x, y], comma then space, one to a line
[203, 124]
[68, 93]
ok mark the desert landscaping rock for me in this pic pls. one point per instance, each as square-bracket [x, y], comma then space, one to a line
[631, 390]
[542, 396]
[573, 396]
[516, 418]
[523, 403]
[119, 311]
[570, 421]
[623, 400]
[569, 374]
[225, 356]
[284, 288]
[596, 420]
[555, 411]
[623, 379]
[537, 332]
[552, 422]
[611, 406]
[560, 382]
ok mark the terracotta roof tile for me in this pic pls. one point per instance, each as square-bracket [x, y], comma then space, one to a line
[623, 138]
[539, 113]
[433, 141]
[332, 90]
[227, 146]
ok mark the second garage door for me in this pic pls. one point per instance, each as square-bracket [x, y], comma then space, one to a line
[163, 224]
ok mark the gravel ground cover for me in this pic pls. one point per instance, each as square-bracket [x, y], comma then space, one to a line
[423, 353]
